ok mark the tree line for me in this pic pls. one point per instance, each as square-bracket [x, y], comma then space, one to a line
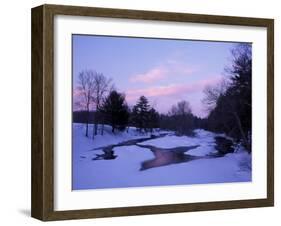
[102, 104]
[229, 104]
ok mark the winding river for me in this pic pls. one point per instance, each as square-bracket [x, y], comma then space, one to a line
[162, 156]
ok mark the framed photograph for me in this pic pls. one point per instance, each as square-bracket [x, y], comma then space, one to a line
[141, 112]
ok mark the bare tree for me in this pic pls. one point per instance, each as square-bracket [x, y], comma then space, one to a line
[184, 107]
[181, 117]
[85, 90]
[212, 94]
[229, 103]
[181, 108]
[102, 87]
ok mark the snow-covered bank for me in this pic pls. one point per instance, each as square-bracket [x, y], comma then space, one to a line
[81, 143]
[203, 138]
[124, 171]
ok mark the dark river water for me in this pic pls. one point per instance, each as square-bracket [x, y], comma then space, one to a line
[162, 156]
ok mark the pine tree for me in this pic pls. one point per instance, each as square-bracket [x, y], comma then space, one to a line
[153, 119]
[233, 107]
[115, 110]
[140, 114]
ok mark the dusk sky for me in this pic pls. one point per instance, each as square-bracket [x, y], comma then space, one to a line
[165, 71]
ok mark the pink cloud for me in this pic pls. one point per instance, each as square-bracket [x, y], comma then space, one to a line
[152, 75]
[175, 90]
[167, 69]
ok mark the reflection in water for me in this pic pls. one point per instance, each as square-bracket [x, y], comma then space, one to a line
[168, 156]
[162, 156]
[108, 152]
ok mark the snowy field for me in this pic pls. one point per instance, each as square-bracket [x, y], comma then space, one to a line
[124, 170]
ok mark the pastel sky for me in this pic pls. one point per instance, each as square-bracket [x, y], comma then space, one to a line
[165, 71]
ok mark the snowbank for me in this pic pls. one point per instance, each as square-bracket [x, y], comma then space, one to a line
[124, 171]
[203, 138]
[81, 143]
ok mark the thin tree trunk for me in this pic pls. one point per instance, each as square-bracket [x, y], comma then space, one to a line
[87, 123]
[102, 128]
[244, 138]
[95, 126]
[87, 128]
[96, 119]
[95, 129]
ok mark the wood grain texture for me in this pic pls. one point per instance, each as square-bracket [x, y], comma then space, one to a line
[42, 113]
[37, 158]
[43, 108]
[270, 111]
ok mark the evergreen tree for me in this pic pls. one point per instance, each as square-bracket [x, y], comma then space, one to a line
[115, 110]
[153, 119]
[232, 113]
[140, 114]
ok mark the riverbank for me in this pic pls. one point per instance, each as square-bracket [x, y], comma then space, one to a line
[125, 169]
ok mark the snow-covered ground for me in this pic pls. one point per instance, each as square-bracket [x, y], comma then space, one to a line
[124, 171]
[203, 138]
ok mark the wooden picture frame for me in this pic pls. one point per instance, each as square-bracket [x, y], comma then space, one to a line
[43, 111]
